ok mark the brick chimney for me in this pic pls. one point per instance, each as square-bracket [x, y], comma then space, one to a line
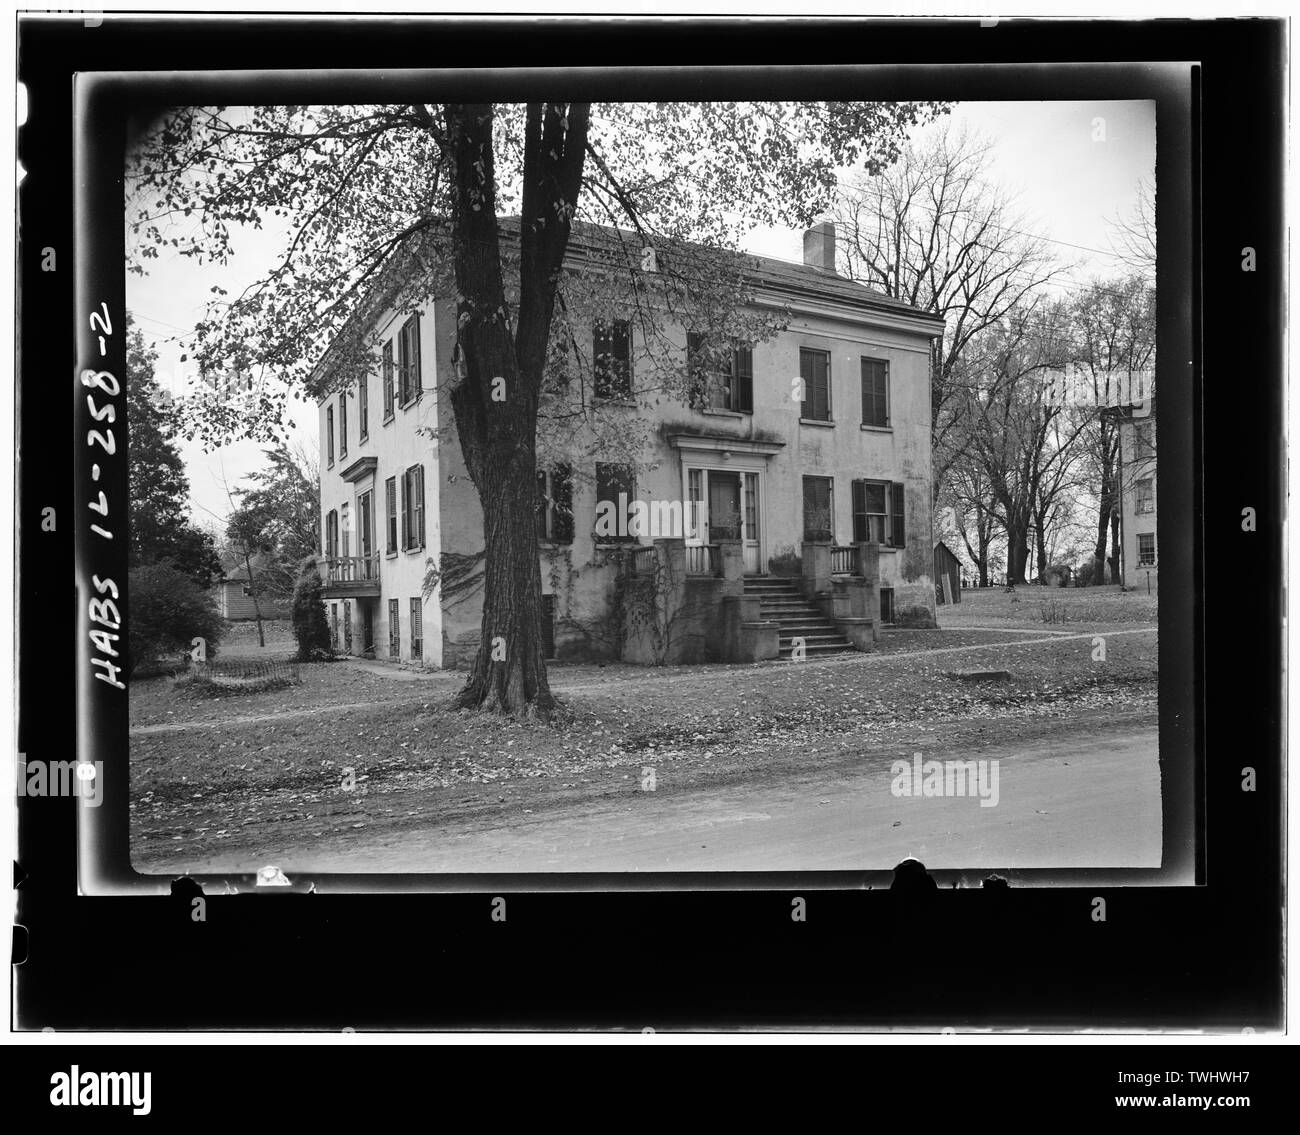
[819, 247]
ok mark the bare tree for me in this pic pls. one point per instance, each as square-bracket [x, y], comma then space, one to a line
[1017, 427]
[1134, 236]
[933, 230]
[1114, 348]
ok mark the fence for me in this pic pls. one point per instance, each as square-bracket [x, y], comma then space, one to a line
[842, 560]
[703, 559]
[352, 569]
[243, 676]
[642, 561]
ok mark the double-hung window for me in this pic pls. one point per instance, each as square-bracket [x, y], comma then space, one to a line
[875, 393]
[1146, 549]
[408, 360]
[815, 371]
[555, 505]
[878, 513]
[818, 505]
[720, 379]
[413, 508]
[616, 487]
[611, 353]
[386, 372]
[390, 515]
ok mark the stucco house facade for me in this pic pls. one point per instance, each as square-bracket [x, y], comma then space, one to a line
[1137, 453]
[817, 438]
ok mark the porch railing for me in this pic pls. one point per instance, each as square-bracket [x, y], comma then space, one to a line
[641, 561]
[703, 559]
[842, 562]
[352, 569]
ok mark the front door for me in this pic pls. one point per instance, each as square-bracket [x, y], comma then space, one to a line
[367, 627]
[364, 537]
[724, 506]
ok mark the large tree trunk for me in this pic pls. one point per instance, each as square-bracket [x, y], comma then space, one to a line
[495, 401]
[1017, 551]
[252, 590]
[1115, 576]
[1040, 535]
[1107, 506]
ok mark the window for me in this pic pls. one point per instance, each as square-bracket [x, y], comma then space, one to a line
[408, 360]
[365, 535]
[611, 480]
[390, 512]
[329, 435]
[334, 627]
[347, 626]
[1144, 496]
[818, 517]
[697, 530]
[1146, 549]
[343, 424]
[878, 513]
[413, 508]
[386, 371]
[555, 505]
[394, 629]
[815, 370]
[875, 393]
[363, 407]
[886, 604]
[716, 388]
[548, 626]
[332, 534]
[417, 632]
[611, 354]
[1144, 440]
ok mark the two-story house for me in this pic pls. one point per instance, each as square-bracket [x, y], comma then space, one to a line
[819, 434]
[1137, 460]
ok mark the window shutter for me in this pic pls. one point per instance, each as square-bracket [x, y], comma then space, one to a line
[404, 541]
[388, 379]
[744, 380]
[416, 380]
[859, 511]
[562, 503]
[390, 513]
[696, 379]
[896, 494]
[419, 501]
[539, 507]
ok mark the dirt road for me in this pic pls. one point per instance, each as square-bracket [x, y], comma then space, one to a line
[1079, 796]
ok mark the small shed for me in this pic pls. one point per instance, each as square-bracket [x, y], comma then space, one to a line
[234, 598]
[947, 575]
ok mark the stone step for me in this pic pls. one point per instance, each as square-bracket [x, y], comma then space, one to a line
[786, 630]
[815, 651]
[828, 635]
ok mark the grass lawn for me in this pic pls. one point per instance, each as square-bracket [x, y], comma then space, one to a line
[206, 775]
[1052, 608]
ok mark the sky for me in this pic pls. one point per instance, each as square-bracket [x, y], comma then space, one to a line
[1068, 186]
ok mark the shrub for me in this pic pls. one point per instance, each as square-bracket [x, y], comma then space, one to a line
[310, 626]
[167, 611]
[916, 617]
[785, 562]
